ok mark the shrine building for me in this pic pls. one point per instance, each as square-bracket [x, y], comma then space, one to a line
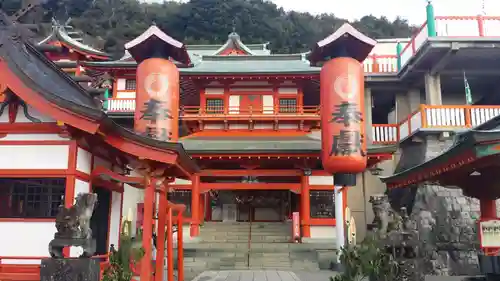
[249, 141]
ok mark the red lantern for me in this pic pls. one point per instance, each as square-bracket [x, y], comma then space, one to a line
[157, 99]
[342, 116]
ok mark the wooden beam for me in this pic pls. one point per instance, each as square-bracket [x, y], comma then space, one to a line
[256, 173]
[249, 186]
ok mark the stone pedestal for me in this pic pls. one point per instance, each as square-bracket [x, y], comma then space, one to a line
[66, 269]
[229, 212]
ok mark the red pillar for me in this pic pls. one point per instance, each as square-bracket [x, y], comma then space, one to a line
[195, 206]
[170, 246]
[305, 207]
[160, 243]
[180, 248]
[488, 209]
[147, 228]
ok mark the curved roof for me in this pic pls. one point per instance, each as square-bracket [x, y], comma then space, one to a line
[43, 85]
[61, 33]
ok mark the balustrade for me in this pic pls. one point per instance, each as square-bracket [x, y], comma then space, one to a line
[452, 26]
[446, 117]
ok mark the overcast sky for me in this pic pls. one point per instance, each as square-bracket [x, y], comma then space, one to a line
[412, 10]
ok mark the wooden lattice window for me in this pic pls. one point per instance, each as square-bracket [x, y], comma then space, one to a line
[130, 84]
[181, 197]
[214, 106]
[31, 198]
[322, 204]
[288, 105]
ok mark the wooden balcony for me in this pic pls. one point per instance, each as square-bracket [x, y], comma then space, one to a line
[191, 113]
[452, 26]
[446, 118]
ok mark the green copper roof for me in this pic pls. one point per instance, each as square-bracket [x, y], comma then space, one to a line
[298, 144]
[267, 64]
[243, 64]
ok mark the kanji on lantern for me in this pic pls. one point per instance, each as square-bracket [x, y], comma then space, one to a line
[154, 111]
[346, 113]
[347, 143]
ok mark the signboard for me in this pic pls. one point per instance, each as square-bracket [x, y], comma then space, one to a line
[489, 233]
[296, 226]
[322, 204]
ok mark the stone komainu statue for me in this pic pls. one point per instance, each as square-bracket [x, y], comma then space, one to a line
[73, 226]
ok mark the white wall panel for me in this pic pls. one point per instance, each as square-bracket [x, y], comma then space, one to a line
[115, 220]
[84, 161]
[34, 156]
[25, 239]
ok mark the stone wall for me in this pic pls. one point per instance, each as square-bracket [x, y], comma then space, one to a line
[446, 218]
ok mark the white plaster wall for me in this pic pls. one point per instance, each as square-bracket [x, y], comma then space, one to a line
[131, 196]
[34, 156]
[323, 232]
[25, 239]
[213, 126]
[321, 180]
[120, 84]
[238, 126]
[268, 104]
[214, 91]
[262, 126]
[234, 104]
[288, 91]
[287, 126]
[125, 95]
[115, 219]
[83, 161]
[20, 118]
[32, 137]
[181, 181]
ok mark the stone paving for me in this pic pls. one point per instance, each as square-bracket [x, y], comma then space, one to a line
[263, 275]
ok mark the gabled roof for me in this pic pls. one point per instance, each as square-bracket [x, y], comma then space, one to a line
[153, 40]
[40, 83]
[73, 40]
[234, 43]
[345, 41]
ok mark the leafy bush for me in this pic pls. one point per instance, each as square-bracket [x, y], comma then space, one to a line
[130, 252]
[367, 259]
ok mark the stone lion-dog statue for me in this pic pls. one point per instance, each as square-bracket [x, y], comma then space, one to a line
[73, 226]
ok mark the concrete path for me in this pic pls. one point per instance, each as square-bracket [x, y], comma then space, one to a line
[263, 275]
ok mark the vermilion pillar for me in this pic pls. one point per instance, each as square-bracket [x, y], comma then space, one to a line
[160, 243]
[147, 228]
[488, 209]
[305, 207]
[195, 206]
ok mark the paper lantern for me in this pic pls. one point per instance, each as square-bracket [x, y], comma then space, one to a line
[342, 116]
[157, 99]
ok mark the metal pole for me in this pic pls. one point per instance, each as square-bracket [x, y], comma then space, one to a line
[339, 217]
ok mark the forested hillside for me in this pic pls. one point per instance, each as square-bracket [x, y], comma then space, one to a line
[203, 21]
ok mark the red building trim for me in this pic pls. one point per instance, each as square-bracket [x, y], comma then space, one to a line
[11, 81]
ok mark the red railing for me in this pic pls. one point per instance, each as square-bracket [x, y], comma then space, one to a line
[31, 271]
